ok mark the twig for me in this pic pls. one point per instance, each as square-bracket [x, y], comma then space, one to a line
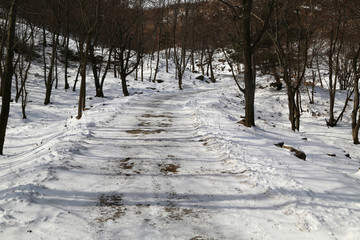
[14, 172]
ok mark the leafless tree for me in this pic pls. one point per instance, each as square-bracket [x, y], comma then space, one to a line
[89, 26]
[249, 35]
[291, 31]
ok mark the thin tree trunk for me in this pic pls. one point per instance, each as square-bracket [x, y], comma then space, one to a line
[82, 94]
[50, 77]
[355, 120]
[142, 69]
[105, 73]
[67, 59]
[77, 77]
[167, 59]
[2, 45]
[157, 58]
[94, 70]
[318, 69]
[44, 43]
[56, 70]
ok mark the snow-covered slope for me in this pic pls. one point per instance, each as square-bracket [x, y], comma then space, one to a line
[170, 164]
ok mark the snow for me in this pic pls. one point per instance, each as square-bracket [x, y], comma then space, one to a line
[171, 164]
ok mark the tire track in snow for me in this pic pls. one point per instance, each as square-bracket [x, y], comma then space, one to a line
[170, 185]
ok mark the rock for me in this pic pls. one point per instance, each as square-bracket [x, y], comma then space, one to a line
[299, 154]
[277, 85]
[201, 77]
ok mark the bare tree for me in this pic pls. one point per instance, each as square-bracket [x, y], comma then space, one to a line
[291, 33]
[355, 115]
[180, 36]
[49, 81]
[127, 29]
[89, 26]
[24, 48]
[244, 16]
[336, 35]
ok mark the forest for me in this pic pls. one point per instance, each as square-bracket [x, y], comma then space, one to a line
[281, 38]
[179, 119]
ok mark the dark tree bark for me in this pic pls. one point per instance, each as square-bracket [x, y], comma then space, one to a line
[248, 72]
[2, 45]
[355, 115]
[8, 73]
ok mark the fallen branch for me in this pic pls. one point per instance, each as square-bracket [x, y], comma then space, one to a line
[14, 172]
[298, 153]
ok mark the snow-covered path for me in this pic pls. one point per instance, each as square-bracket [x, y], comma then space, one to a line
[154, 177]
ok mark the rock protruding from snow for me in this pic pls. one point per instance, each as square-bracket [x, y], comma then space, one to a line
[297, 153]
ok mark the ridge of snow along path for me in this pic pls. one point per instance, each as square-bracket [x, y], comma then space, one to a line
[177, 166]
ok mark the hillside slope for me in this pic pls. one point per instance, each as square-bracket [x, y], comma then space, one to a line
[170, 164]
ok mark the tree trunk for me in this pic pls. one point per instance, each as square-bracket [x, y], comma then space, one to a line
[56, 70]
[67, 60]
[291, 101]
[50, 77]
[44, 43]
[210, 55]
[157, 59]
[77, 77]
[82, 94]
[355, 120]
[297, 109]
[167, 59]
[142, 69]
[2, 45]
[8, 73]
[95, 72]
[123, 84]
[101, 92]
[248, 72]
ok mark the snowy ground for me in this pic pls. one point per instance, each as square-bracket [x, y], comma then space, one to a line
[170, 164]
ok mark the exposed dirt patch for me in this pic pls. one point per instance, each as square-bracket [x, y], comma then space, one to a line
[233, 173]
[125, 160]
[168, 168]
[110, 200]
[111, 207]
[142, 131]
[165, 125]
[140, 207]
[144, 124]
[177, 213]
[125, 164]
[143, 205]
[156, 116]
[204, 141]
[200, 238]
